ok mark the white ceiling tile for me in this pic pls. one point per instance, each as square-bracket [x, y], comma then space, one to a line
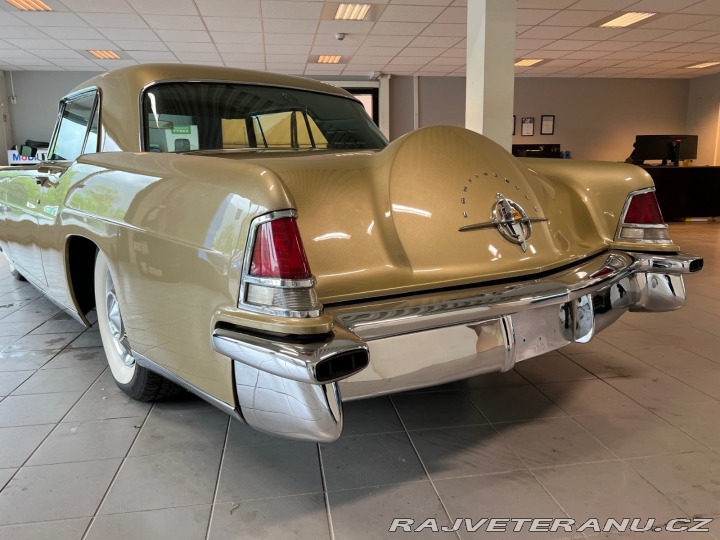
[235, 37]
[601, 63]
[229, 8]
[282, 39]
[691, 48]
[651, 46]
[162, 7]
[115, 64]
[379, 51]
[65, 54]
[597, 34]
[362, 67]
[459, 3]
[184, 46]
[280, 66]
[548, 32]
[606, 5]
[433, 72]
[532, 43]
[348, 27]
[78, 62]
[531, 17]
[366, 60]
[397, 28]
[141, 45]
[422, 51]
[674, 21]
[21, 32]
[40, 19]
[8, 19]
[247, 65]
[627, 55]
[85, 44]
[455, 53]
[447, 61]
[397, 13]
[287, 26]
[453, 15]
[129, 34]
[441, 3]
[667, 55]
[5, 45]
[392, 41]
[16, 53]
[177, 22]
[331, 50]
[289, 49]
[585, 55]
[286, 58]
[34, 43]
[430, 41]
[662, 6]
[326, 39]
[542, 53]
[568, 45]
[113, 20]
[563, 63]
[708, 7]
[73, 32]
[616, 45]
[712, 24]
[685, 36]
[411, 60]
[193, 57]
[197, 36]
[34, 62]
[246, 48]
[244, 57]
[576, 18]
[153, 56]
[279, 9]
[640, 34]
[712, 39]
[99, 6]
[445, 30]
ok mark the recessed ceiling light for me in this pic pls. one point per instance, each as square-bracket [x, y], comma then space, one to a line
[351, 12]
[627, 19]
[30, 5]
[105, 55]
[329, 59]
[527, 62]
[703, 65]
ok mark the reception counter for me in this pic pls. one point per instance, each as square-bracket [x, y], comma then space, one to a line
[687, 191]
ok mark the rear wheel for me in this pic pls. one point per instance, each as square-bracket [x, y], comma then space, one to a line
[136, 381]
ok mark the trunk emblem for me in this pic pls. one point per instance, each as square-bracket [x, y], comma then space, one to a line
[510, 220]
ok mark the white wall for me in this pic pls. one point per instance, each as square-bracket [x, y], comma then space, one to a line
[704, 117]
[38, 93]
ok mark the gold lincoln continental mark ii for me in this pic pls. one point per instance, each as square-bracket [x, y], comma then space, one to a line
[254, 239]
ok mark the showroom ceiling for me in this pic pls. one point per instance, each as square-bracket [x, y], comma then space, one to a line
[407, 37]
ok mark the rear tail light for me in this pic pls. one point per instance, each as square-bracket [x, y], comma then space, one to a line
[276, 275]
[642, 220]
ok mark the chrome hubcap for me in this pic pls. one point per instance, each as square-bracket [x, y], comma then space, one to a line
[117, 328]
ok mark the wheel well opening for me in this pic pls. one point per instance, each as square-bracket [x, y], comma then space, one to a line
[81, 254]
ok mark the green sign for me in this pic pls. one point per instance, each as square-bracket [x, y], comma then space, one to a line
[181, 130]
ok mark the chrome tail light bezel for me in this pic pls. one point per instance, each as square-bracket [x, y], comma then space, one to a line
[269, 285]
[643, 229]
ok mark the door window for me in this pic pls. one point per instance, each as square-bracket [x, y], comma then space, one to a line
[78, 126]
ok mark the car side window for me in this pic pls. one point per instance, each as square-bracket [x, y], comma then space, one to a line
[78, 129]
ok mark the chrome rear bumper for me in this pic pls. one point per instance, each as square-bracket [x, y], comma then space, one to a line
[294, 389]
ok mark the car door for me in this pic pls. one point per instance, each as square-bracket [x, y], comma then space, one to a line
[76, 134]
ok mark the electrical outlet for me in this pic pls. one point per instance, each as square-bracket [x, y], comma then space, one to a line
[13, 100]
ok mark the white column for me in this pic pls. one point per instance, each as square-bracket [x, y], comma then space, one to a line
[490, 68]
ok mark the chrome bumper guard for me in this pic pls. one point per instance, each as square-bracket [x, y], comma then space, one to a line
[294, 389]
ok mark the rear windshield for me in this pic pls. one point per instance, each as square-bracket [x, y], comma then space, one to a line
[182, 117]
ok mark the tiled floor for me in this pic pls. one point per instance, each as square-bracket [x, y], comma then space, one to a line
[625, 426]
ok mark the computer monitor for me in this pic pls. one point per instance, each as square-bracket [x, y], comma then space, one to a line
[667, 148]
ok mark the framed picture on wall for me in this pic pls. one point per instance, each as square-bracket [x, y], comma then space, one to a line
[528, 126]
[547, 124]
[513, 124]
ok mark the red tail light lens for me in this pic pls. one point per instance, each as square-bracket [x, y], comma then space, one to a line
[644, 210]
[279, 252]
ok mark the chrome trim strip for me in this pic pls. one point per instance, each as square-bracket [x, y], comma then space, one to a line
[382, 319]
[157, 368]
